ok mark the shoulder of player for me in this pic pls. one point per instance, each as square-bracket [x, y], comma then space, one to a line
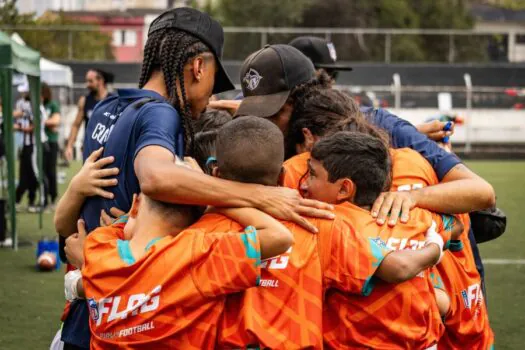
[157, 109]
[407, 154]
[419, 216]
[214, 222]
[103, 236]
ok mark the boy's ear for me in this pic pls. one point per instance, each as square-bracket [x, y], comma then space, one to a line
[137, 201]
[281, 176]
[215, 171]
[347, 190]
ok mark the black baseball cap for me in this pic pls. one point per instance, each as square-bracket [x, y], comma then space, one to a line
[205, 28]
[320, 51]
[268, 76]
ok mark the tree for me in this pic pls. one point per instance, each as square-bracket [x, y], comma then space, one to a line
[443, 14]
[84, 45]
[255, 13]
[9, 14]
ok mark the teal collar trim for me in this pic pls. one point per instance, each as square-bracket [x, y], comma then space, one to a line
[125, 251]
[151, 243]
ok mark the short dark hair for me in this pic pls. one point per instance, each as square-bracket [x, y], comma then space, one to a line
[171, 211]
[211, 119]
[106, 77]
[204, 148]
[251, 150]
[325, 112]
[360, 157]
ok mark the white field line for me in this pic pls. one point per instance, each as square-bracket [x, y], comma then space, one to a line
[503, 261]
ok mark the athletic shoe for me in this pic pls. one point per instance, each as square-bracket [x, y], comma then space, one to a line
[7, 243]
[33, 209]
[20, 208]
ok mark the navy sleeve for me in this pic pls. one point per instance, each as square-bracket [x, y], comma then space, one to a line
[158, 124]
[403, 134]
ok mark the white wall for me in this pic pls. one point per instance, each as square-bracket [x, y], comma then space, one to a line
[487, 125]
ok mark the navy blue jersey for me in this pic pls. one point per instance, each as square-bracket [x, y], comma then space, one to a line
[124, 124]
[403, 134]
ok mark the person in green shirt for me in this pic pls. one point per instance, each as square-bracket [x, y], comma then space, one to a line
[52, 124]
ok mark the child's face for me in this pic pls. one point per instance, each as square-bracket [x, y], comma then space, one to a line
[317, 185]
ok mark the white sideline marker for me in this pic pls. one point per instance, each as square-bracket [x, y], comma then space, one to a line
[503, 261]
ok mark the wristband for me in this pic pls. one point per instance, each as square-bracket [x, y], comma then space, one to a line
[433, 237]
[70, 284]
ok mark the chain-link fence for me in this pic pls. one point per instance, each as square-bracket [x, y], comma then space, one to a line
[87, 42]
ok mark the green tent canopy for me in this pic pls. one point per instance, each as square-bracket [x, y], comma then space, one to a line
[23, 59]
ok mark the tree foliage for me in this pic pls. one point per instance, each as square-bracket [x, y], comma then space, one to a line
[443, 14]
[57, 44]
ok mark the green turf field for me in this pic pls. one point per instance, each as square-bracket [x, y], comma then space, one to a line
[31, 302]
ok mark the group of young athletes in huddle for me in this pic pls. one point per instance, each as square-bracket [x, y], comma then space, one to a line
[302, 221]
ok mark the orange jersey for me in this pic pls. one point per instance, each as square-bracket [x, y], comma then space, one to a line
[296, 170]
[170, 298]
[285, 312]
[393, 316]
[467, 324]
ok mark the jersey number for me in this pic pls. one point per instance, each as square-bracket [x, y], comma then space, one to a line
[277, 263]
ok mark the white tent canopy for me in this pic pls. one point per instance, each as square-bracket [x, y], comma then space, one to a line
[52, 73]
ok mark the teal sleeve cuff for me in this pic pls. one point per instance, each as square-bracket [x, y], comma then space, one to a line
[455, 246]
[253, 250]
[368, 287]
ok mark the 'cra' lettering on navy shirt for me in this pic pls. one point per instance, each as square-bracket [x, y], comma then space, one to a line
[124, 124]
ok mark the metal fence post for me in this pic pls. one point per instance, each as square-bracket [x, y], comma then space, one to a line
[264, 39]
[388, 47]
[468, 121]
[451, 49]
[70, 45]
[511, 43]
[397, 90]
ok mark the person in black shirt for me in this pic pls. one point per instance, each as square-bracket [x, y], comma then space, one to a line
[96, 83]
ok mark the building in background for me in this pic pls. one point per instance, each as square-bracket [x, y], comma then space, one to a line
[41, 6]
[126, 27]
[126, 21]
[510, 46]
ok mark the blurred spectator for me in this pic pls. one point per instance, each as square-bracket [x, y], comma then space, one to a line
[24, 124]
[96, 83]
[50, 152]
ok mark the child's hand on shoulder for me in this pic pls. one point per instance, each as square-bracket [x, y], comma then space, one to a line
[93, 177]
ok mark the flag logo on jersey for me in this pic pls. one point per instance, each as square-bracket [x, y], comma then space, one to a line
[93, 309]
[380, 242]
[465, 299]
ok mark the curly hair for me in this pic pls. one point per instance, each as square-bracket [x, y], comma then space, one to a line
[325, 112]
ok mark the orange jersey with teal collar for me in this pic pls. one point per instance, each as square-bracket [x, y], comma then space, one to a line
[285, 312]
[392, 316]
[170, 298]
[466, 324]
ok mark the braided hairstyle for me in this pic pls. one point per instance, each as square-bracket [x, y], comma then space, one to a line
[168, 51]
[325, 112]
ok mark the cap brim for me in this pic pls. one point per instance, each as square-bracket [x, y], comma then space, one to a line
[334, 66]
[222, 80]
[263, 106]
